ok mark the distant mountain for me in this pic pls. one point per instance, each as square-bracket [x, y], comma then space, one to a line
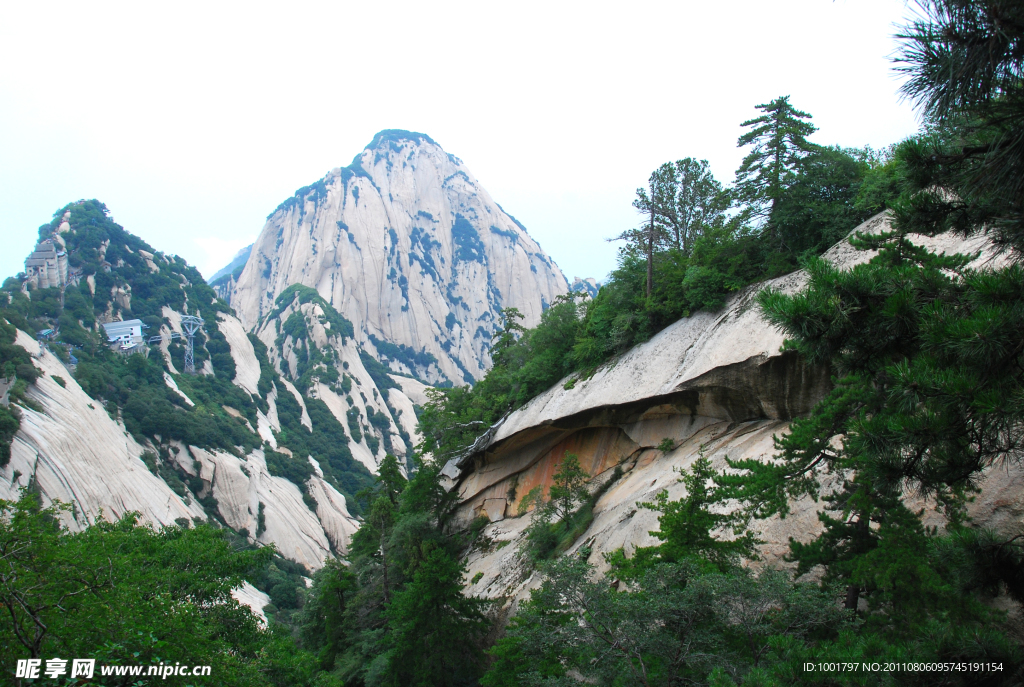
[233, 268]
[406, 245]
[589, 286]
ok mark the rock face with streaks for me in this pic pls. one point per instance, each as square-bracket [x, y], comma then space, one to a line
[79, 455]
[313, 349]
[407, 245]
[714, 382]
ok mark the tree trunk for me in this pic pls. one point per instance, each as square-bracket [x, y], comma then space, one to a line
[863, 528]
[650, 254]
[852, 597]
[384, 562]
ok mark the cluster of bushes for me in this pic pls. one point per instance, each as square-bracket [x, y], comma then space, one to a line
[406, 355]
[284, 581]
[15, 361]
[566, 513]
[297, 295]
[328, 444]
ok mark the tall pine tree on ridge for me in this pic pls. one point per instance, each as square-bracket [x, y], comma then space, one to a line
[779, 137]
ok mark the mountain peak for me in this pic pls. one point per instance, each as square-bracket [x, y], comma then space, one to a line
[407, 245]
[396, 136]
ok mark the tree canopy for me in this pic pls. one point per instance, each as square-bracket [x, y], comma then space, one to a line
[779, 142]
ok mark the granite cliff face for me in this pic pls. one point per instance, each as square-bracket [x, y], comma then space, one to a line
[407, 245]
[714, 382]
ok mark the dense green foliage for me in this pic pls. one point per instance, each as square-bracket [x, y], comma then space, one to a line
[686, 612]
[397, 614]
[125, 594]
[674, 626]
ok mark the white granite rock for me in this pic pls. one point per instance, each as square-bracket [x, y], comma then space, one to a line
[247, 367]
[80, 456]
[408, 246]
[253, 598]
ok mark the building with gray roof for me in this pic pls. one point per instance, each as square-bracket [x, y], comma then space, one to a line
[126, 333]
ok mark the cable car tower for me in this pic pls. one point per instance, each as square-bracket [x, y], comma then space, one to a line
[191, 324]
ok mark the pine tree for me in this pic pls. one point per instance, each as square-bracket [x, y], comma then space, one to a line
[569, 486]
[687, 527]
[390, 479]
[964, 64]
[682, 200]
[930, 393]
[433, 628]
[779, 140]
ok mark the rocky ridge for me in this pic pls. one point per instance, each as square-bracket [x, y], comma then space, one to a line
[78, 449]
[71, 450]
[312, 347]
[714, 383]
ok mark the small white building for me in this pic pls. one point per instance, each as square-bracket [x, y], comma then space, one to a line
[126, 334]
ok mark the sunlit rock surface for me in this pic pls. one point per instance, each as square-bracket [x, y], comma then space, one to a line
[409, 246]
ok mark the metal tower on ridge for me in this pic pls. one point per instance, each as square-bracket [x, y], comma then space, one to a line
[191, 324]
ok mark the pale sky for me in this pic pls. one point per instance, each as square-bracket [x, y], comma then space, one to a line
[192, 121]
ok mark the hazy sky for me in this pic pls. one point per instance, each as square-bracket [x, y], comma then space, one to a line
[193, 121]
